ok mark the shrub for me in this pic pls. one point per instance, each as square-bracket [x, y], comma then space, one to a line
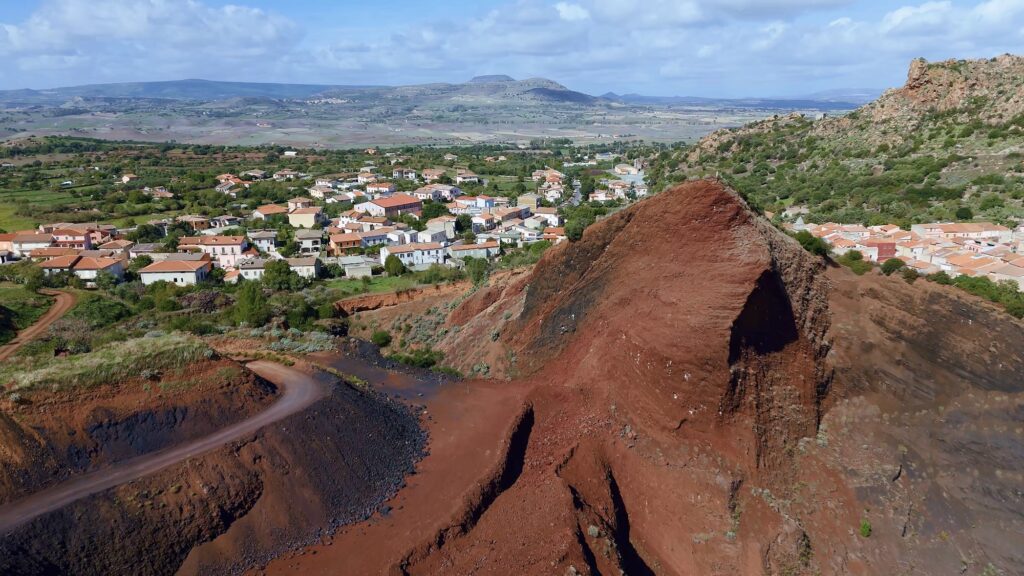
[865, 528]
[381, 338]
[98, 311]
[940, 278]
[854, 260]
[393, 266]
[891, 265]
[811, 243]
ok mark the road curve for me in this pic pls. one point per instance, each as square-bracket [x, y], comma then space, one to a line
[299, 391]
[65, 300]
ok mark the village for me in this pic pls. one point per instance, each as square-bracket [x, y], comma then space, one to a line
[975, 249]
[435, 222]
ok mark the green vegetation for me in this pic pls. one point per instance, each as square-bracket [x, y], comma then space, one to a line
[19, 309]
[381, 338]
[419, 358]
[865, 529]
[855, 261]
[812, 243]
[393, 266]
[110, 363]
[892, 265]
[1005, 293]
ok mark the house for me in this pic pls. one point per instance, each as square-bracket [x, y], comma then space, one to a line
[450, 158]
[320, 192]
[374, 237]
[466, 177]
[357, 266]
[128, 178]
[554, 234]
[367, 177]
[252, 268]
[59, 264]
[417, 255]
[626, 170]
[340, 243]
[282, 175]
[380, 189]
[23, 244]
[431, 174]
[255, 174]
[145, 249]
[437, 192]
[481, 250]
[432, 235]
[7, 242]
[310, 241]
[308, 267]
[312, 217]
[549, 214]
[72, 238]
[196, 223]
[484, 202]
[531, 200]
[403, 174]
[88, 269]
[225, 250]
[180, 272]
[225, 221]
[484, 222]
[392, 206]
[121, 246]
[264, 240]
[299, 203]
[266, 211]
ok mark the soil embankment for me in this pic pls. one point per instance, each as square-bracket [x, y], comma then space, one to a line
[63, 303]
[706, 398]
[368, 302]
[262, 493]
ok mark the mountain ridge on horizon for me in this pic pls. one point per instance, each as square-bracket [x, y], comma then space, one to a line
[493, 85]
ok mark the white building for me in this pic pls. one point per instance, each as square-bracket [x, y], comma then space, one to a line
[415, 255]
[180, 272]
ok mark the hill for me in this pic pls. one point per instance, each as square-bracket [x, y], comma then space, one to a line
[704, 397]
[952, 137]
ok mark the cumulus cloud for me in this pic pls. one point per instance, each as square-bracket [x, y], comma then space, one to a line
[703, 47]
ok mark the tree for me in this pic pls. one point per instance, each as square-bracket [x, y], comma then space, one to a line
[463, 222]
[250, 306]
[811, 243]
[34, 278]
[574, 229]
[393, 266]
[964, 213]
[289, 249]
[278, 275]
[477, 269]
[891, 265]
[105, 280]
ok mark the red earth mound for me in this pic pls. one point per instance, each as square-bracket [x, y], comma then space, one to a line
[677, 353]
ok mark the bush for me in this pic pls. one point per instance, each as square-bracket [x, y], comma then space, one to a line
[419, 358]
[811, 243]
[393, 266]
[940, 278]
[854, 260]
[98, 311]
[381, 338]
[891, 265]
[865, 528]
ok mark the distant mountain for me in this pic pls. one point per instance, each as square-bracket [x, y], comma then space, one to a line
[858, 96]
[741, 103]
[488, 79]
[493, 89]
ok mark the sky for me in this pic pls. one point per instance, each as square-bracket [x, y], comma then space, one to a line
[713, 48]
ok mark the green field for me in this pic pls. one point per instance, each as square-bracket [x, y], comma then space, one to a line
[10, 201]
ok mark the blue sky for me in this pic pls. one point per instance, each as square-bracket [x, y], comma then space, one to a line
[725, 48]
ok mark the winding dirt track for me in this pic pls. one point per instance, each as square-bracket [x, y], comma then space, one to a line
[65, 300]
[299, 391]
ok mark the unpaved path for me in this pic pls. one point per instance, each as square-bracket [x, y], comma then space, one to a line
[65, 300]
[299, 391]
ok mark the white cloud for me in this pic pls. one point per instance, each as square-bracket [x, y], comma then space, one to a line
[707, 47]
[571, 12]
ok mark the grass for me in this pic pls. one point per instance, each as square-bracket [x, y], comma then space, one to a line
[376, 284]
[26, 307]
[111, 363]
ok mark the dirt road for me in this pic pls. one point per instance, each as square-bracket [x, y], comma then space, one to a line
[299, 391]
[65, 300]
